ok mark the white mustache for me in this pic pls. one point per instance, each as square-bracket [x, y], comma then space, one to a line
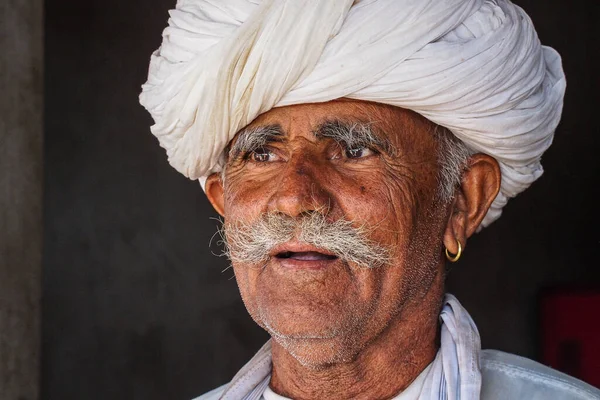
[252, 242]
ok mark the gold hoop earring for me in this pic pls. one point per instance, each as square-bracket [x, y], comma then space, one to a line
[455, 257]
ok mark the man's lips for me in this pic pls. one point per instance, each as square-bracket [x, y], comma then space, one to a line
[299, 255]
[305, 256]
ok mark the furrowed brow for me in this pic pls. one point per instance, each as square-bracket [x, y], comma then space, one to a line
[251, 139]
[353, 135]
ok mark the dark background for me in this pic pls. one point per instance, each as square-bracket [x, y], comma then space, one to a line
[135, 306]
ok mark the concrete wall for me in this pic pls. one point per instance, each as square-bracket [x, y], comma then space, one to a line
[137, 307]
[21, 131]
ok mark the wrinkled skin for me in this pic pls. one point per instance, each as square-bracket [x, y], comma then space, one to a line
[343, 331]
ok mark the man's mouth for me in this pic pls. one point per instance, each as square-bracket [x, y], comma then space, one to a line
[305, 256]
[302, 256]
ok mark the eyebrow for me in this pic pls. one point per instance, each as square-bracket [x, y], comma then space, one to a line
[350, 134]
[353, 135]
[251, 139]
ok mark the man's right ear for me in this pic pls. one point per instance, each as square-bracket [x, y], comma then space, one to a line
[215, 193]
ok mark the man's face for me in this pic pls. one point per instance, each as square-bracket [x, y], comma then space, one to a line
[372, 165]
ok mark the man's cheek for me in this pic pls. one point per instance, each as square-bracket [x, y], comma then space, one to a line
[244, 208]
[242, 279]
[386, 219]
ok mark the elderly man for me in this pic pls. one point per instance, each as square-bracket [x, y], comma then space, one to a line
[352, 148]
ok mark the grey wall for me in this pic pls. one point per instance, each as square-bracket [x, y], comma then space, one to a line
[137, 307]
[21, 132]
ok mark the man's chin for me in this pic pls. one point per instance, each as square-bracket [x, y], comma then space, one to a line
[306, 322]
[300, 331]
[316, 344]
[318, 353]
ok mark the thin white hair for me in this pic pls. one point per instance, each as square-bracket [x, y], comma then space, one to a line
[452, 155]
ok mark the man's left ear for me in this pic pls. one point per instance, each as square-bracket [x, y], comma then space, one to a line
[478, 188]
[214, 192]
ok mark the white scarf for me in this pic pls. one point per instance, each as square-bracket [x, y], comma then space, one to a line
[454, 374]
[473, 66]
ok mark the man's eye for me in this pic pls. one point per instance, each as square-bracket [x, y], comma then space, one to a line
[359, 152]
[262, 155]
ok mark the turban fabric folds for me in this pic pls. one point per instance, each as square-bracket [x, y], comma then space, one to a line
[475, 67]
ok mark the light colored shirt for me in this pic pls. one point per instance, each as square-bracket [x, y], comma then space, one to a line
[504, 376]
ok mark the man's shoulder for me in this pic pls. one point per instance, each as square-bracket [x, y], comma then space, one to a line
[507, 376]
[214, 394]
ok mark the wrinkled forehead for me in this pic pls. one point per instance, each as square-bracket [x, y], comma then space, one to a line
[395, 125]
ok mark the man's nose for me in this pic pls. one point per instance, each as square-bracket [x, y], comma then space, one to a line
[300, 190]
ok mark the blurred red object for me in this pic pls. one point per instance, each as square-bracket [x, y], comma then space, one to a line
[570, 330]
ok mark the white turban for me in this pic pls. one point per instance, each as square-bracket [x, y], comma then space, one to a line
[475, 67]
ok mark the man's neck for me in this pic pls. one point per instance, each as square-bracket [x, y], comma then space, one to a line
[386, 367]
